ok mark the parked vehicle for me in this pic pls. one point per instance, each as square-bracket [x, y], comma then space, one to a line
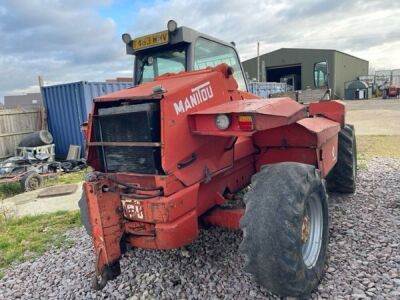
[168, 153]
[392, 91]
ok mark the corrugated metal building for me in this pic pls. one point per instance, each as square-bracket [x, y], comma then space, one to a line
[68, 106]
[308, 68]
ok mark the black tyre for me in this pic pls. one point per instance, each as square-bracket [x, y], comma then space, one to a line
[342, 178]
[82, 203]
[31, 181]
[285, 228]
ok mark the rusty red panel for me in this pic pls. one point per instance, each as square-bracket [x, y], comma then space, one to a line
[161, 209]
[168, 82]
[179, 146]
[327, 156]
[106, 224]
[334, 110]
[276, 155]
[266, 114]
[170, 235]
[243, 147]
[284, 107]
[308, 132]
[226, 218]
[310, 141]
[169, 183]
[233, 179]
[323, 128]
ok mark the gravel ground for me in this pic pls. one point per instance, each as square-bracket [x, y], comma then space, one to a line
[364, 257]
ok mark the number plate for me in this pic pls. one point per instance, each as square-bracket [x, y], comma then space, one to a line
[133, 209]
[151, 40]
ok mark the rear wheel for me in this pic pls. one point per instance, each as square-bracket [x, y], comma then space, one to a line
[342, 178]
[285, 228]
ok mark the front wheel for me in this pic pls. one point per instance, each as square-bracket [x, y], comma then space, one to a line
[285, 228]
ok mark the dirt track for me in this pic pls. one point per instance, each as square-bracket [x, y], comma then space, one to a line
[374, 117]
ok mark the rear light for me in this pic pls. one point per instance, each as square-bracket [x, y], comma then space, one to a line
[246, 123]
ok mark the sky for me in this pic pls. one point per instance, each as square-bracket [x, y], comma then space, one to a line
[74, 40]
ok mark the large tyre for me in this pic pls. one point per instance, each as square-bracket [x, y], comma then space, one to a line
[31, 181]
[285, 228]
[85, 214]
[342, 178]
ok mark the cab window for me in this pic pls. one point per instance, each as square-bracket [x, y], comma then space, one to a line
[159, 63]
[210, 54]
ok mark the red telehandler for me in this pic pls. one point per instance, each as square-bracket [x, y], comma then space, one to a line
[169, 152]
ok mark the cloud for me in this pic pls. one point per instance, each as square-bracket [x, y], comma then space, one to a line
[350, 26]
[60, 40]
[71, 41]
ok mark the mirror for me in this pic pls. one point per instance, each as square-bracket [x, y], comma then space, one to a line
[321, 74]
[150, 61]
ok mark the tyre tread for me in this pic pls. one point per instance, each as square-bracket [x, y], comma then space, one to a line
[270, 241]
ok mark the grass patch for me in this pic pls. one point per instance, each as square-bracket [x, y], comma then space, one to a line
[14, 188]
[370, 146]
[9, 190]
[30, 236]
[66, 178]
[361, 165]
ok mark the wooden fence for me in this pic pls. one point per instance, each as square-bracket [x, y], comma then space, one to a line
[15, 124]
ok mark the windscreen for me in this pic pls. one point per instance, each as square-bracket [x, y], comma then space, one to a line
[151, 65]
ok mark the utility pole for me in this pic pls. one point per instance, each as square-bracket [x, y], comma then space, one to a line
[258, 61]
[40, 81]
[42, 110]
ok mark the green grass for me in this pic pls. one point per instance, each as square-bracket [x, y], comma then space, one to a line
[67, 178]
[9, 190]
[370, 146]
[14, 188]
[30, 236]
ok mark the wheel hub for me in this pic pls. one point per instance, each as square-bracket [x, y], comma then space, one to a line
[33, 184]
[305, 229]
[311, 231]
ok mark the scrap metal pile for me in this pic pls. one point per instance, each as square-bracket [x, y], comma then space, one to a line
[31, 166]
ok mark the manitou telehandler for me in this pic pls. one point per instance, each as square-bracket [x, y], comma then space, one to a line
[169, 152]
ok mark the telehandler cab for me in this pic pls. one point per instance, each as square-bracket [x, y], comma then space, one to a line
[169, 152]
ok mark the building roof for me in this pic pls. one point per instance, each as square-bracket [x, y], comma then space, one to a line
[306, 49]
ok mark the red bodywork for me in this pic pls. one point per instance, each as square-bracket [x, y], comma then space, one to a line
[201, 163]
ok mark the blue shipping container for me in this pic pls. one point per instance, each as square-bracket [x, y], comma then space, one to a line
[68, 106]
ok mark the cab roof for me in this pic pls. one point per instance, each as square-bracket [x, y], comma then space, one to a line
[182, 34]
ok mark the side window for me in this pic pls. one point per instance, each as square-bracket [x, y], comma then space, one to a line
[321, 74]
[148, 73]
[173, 63]
[210, 54]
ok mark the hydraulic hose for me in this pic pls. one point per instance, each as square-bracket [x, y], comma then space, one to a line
[138, 188]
